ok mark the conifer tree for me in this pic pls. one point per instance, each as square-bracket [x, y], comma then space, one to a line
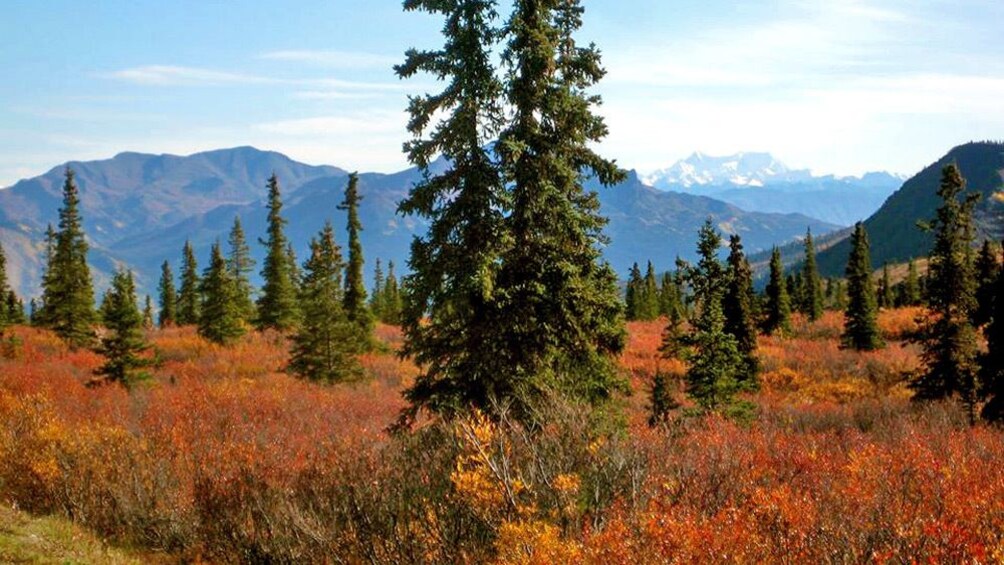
[189, 308]
[277, 308]
[911, 286]
[715, 366]
[220, 320]
[634, 294]
[885, 294]
[294, 269]
[650, 295]
[326, 343]
[840, 296]
[563, 320]
[739, 313]
[812, 297]
[241, 265]
[168, 297]
[148, 313]
[15, 310]
[947, 335]
[669, 298]
[661, 402]
[69, 294]
[391, 302]
[4, 317]
[794, 284]
[992, 362]
[376, 298]
[987, 269]
[105, 306]
[860, 325]
[777, 317]
[354, 300]
[124, 345]
[451, 303]
[40, 317]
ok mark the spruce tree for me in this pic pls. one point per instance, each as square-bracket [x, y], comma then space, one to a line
[326, 343]
[15, 310]
[105, 306]
[168, 297]
[777, 318]
[69, 294]
[992, 362]
[860, 325]
[277, 308]
[377, 297]
[391, 301]
[669, 298]
[987, 269]
[221, 317]
[739, 313]
[124, 345]
[189, 301]
[354, 300]
[40, 316]
[650, 296]
[812, 297]
[148, 313]
[634, 294]
[241, 265]
[911, 286]
[947, 335]
[886, 298]
[451, 311]
[563, 323]
[4, 317]
[661, 402]
[715, 367]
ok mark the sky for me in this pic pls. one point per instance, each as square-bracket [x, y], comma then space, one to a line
[838, 86]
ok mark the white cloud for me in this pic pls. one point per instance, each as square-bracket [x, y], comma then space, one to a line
[335, 59]
[170, 75]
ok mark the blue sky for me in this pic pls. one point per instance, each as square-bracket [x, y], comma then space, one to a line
[837, 86]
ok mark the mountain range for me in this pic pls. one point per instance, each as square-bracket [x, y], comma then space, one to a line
[139, 209]
[761, 183]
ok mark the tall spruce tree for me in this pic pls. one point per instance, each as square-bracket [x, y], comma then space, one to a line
[812, 288]
[277, 308]
[987, 269]
[189, 299]
[860, 324]
[563, 320]
[633, 294]
[241, 265]
[715, 366]
[992, 362]
[124, 345]
[886, 298]
[650, 296]
[391, 302]
[911, 286]
[354, 300]
[377, 296]
[40, 316]
[947, 335]
[168, 298]
[148, 313]
[739, 313]
[451, 310]
[15, 310]
[661, 402]
[669, 298]
[777, 315]
[221, 317]
[326, 343]
[68, 293]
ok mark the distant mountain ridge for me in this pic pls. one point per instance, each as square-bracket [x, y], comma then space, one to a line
[139, 209]
[759, 182]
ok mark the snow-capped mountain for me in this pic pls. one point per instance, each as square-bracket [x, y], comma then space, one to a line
[761, 183]
[741, 169]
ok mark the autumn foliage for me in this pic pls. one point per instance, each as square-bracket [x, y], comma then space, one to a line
[224, 457]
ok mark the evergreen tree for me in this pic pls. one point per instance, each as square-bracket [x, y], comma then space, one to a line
[885, 295]
[669, 298]
[105, 306]
[778, 305]
[563, 323]
[992, 362]
[148, 313]
[34, 313]
[451, 309]
[812, 291]
[840, 296]
[634, 294]
[391, 302]
[241, 265]
[739, 314]
[987, 269]
[947, 335]
[715, 366]
[277, 303]
[325, 344]
[911, 286]
[650, 296]
[661, 402]
[294, 269]
[220, 320]
[860, 326]
[168, 297]
[4, 317]
[40, 317]
[15, 310]
[377, 297]
[68, 293]
[354, 300]
[124, 345]
[189, 306]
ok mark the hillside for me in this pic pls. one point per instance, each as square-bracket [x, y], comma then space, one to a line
[893, 231]
[139, 209]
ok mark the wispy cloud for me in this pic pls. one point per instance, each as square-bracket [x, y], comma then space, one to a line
[170, 75]
[334, 59]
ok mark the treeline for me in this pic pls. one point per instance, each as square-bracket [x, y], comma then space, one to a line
[320, 305]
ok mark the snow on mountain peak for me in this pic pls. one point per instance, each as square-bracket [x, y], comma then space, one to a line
[741, 169]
